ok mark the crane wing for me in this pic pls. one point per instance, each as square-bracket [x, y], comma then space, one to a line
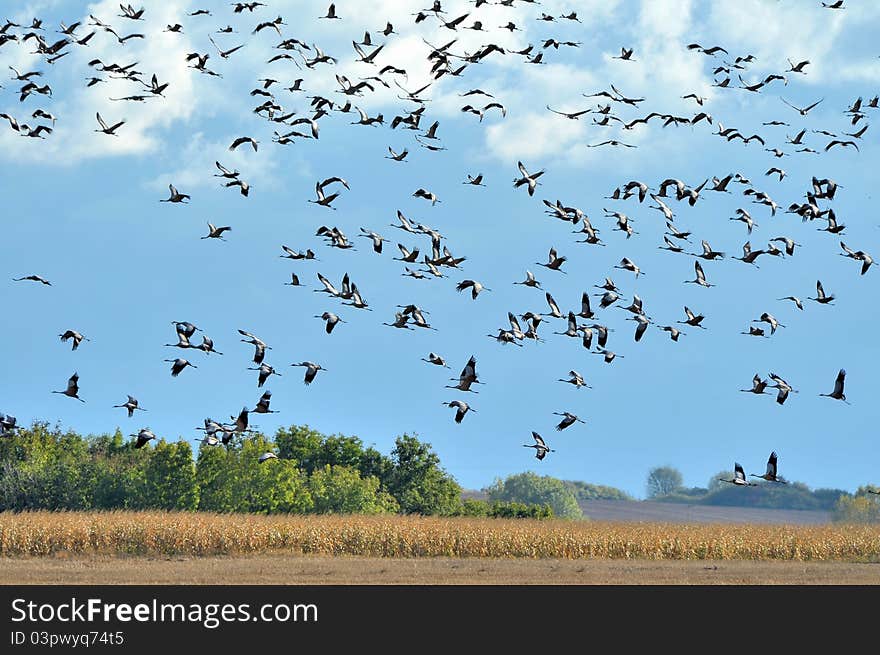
[838, 383]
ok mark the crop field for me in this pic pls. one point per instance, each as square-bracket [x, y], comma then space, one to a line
[160, 534]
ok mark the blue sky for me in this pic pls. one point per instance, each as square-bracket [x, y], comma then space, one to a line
[82, 209]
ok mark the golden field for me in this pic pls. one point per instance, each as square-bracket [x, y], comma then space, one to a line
[158, 534]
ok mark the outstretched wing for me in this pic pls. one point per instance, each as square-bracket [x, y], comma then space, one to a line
[513, 322]
[838, 383]
[331, 180]
[585, 303]
[848, 251]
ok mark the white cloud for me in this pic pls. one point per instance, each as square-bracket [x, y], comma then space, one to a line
[198, 169]
[777, 32]
[532, 136]
[658, 30]
[162, 53]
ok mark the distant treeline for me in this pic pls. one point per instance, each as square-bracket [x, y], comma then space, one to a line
[53, 469]
[665, 484]
[860, 507]
[769, 495]
[562, 496]
[43, 468]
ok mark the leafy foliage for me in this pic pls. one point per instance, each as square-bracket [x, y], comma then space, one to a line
[586, 491]
[532, 489]
[664, 480]
[171, 477]
[49, 468]
[861, 508]
[767, 495]
[342, 490]
[499, 509]
[770, 495]
[417, 481]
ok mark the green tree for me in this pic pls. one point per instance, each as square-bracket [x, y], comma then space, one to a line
[216, 479]
[417, 482]
[857, 509]
[715, 484]
[474, 507]
[503, 509]
[663, 480]
[587, 491]
[300, 443]
[17, 485]
[171, 477]
[127, 483]
[277, 485]
[314, 451]
[509, 510]
[341, 450]
[533, 489]
[827, 498]
[45, 467]
[342, 490]
[373, 463]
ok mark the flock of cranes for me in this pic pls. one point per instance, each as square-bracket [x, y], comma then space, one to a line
[584, 324]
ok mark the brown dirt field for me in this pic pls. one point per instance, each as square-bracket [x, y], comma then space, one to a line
[312, 570]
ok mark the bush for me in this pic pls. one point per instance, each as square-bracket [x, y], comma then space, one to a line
[586, 491]
[532, 489]
[857, 509]
[503, 509]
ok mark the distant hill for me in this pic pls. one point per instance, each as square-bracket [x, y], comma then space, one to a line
[581, 491]
[794, 495]
[649, 511]
[763, 502]
[654, 511]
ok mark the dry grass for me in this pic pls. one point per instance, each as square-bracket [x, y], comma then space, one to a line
[203, 534]
[319, 570]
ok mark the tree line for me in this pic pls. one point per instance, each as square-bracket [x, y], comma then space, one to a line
[47, 468]
[666, 483]
[43, 467]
